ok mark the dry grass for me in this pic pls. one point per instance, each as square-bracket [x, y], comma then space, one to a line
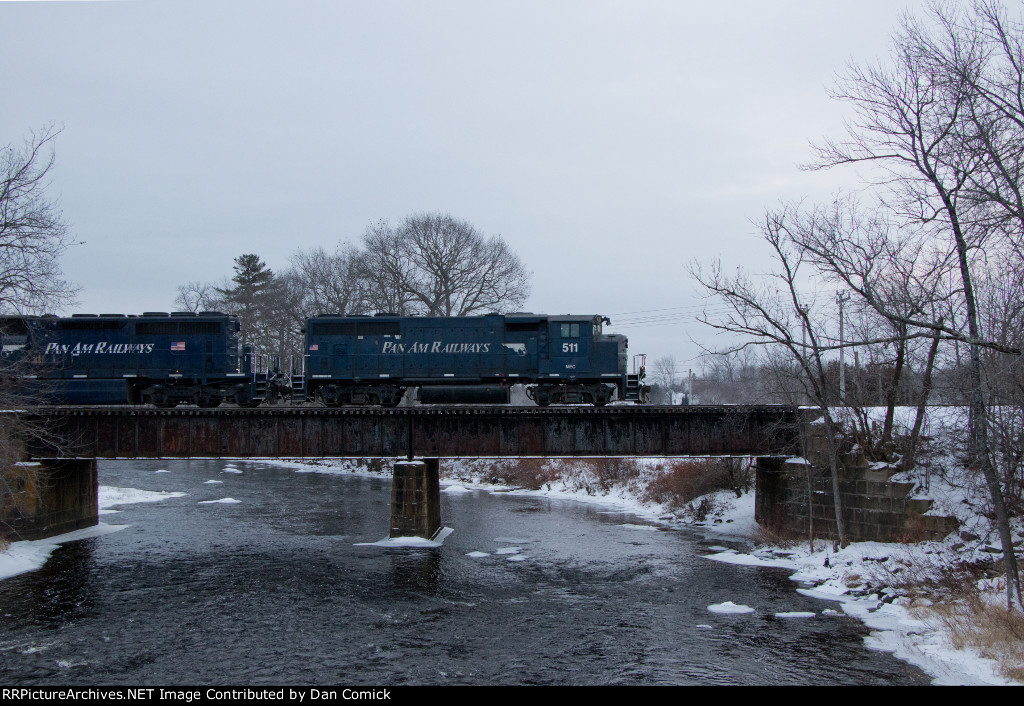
[530, 473]
[930, 575]
[994, 631]
[776, 537]
[682, 481]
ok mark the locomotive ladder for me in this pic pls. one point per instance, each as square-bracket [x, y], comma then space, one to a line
[298, 379]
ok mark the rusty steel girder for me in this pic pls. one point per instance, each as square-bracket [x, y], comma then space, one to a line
[435, 432]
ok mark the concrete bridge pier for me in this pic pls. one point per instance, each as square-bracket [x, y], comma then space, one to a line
[416, 498]
[50, 497]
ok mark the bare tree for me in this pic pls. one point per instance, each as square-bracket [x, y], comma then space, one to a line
[666, 376]
[33, 236]
[773, 312]
[442, 266]
[386, 269]
[197, 296]
[331, 283]
[33, 232]
[939, 128]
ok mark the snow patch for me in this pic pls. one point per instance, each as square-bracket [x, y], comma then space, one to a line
[29, 555]
[414, 542]
[730, 608]
[110, 496]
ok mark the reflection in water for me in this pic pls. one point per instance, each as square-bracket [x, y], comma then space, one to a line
[416, 571]
[278, 589]
[61, 591]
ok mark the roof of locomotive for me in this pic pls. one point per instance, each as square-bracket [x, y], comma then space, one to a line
[519, 316]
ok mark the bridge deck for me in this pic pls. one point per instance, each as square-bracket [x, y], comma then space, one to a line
[448, 432]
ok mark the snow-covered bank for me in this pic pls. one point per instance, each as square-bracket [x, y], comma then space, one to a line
[30, 555]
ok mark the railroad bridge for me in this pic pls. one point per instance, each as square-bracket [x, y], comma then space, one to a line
[75, 437]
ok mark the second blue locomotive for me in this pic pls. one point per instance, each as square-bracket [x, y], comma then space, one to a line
[469, 359]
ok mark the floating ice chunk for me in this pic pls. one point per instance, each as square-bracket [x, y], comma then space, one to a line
[517, 557]
[162, 470]
[213, 481]
[413, 542]
[230, 469]
[730, 608]
[478, 555]
[825, 592]
[224, 501]
[649, 528]
[512, 540]
[705, 627]
[455, 489]
[796, 614]
[731, 557]
[109, 496]
[509, 550]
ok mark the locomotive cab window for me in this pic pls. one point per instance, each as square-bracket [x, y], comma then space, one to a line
[570, 330]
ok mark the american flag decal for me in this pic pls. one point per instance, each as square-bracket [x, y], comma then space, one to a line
[314, 347]
[178, 346]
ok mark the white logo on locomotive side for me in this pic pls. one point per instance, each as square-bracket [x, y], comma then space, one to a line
[102, 347]
[394, 348]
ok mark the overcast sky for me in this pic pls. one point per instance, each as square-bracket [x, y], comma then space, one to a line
[608, 142]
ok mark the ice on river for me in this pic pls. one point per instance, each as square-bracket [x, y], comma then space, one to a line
[730, 557]
[20, 557]
[24, 556]
[455, 489]
[110, 496]
[222, 501]
[412, 542]
[730, 608]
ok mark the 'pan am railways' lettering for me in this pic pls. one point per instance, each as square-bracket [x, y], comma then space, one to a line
[395, 348]
[98, 348]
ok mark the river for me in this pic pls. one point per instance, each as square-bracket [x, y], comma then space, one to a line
[279, 588]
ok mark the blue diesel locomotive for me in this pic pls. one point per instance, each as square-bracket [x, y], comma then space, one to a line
[469, 359]
[185, 358]
[157, 358]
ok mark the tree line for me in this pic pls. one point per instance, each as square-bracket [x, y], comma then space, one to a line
[921, 269]
[430, 264]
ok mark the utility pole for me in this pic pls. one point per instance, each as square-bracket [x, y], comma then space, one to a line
[841, 297]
